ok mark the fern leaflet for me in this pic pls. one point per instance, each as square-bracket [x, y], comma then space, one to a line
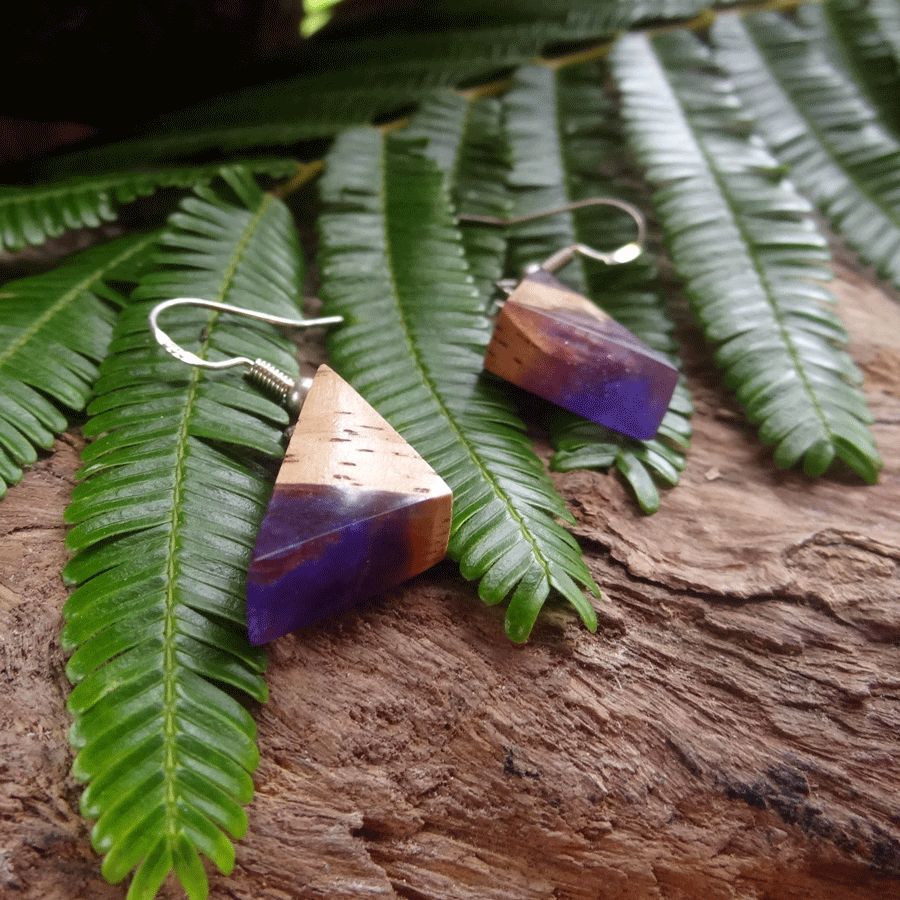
[30, 215]
[742, 239]
[819, 124]
[565, 147]
[413, 345]
[164, 525]
[54, 330]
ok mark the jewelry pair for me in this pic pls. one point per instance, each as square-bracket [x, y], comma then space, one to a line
[355, 511]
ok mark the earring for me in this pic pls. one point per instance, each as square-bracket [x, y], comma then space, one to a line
[354, 512]
[553, 342]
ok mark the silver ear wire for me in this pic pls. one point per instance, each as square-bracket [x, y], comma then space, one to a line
[625, 253]
[289, 391]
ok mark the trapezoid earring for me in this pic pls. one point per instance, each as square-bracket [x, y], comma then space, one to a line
[354, 512]
[551, 341]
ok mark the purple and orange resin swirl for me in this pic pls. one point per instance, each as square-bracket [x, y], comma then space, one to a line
[552, 342]
[355, 511]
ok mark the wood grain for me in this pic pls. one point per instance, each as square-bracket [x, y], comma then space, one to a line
[341, 440]
[731, 732]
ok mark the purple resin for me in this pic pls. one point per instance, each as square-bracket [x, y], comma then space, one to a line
[322, 548]
[583, 361]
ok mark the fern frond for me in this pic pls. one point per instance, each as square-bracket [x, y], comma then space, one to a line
[819, 124]
[752, 261]
[54, 331]
[386, 76]
[465, 137]
[31, 214]
[873, 26]
[864, 38]
[163, 528]
[566, 146]
[393, 265]
[370, 79]
[481, 190]
[581, 19]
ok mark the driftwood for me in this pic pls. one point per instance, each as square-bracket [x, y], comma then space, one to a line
[731, 731]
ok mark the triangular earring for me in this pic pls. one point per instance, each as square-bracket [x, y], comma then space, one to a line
[552, 342]
[355, 511]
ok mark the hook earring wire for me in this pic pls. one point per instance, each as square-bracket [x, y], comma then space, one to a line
[625, 253]
[289, 391]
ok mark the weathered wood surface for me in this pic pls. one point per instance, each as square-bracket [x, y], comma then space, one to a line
[732, 731]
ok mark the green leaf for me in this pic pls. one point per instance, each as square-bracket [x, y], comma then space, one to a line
[151, 873]
[820, 125]
[30, 215]
[334, 97]
[360, 81]
[749, 253]
[864, 38]
[465, 137]
[413, 344]
[54, 330]
[163, 528]
[566, 146]
[577, 19]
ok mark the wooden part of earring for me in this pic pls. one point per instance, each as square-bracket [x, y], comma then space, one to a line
[552, 342]
[354, 512]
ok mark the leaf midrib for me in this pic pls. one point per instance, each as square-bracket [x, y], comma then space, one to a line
[814, 130]
[733, 209]
[107, 182]
[72, 295]
[432, 389]
[170, 663]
